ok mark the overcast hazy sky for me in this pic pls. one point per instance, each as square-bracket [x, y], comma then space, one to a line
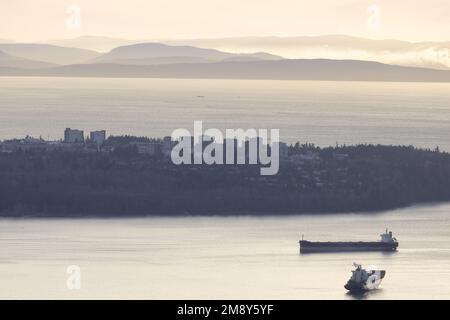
[31, 20]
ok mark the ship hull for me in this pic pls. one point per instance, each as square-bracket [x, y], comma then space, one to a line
[354, 286]
[311, 247]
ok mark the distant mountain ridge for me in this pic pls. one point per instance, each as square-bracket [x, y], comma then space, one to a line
[158, 50]
[10, 61]
[294, 69]
[432, 54]
[48, 53]
[135, 54]
[155, 53]
[94, 43]
[153, 60]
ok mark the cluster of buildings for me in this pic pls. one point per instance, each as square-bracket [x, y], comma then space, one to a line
[77, 136]
[306, 162]
[73, 139]
[76, 140]
[97, 138]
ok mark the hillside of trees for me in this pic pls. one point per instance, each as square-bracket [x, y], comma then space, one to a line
[311, 180]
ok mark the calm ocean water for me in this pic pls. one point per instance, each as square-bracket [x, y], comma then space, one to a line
[320, 112]
[228, 257]
[222, 257]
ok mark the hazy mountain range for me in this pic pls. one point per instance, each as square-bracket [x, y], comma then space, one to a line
[48, 53]
[95, 43]
[180, 59]
[7, 60]
[421, 54]
[287, 69]
[136, 54]
[158, 53]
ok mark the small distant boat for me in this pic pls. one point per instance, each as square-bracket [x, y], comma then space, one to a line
[387, 243]
[364, 280]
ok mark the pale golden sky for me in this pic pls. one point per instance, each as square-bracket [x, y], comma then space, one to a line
[42, 20]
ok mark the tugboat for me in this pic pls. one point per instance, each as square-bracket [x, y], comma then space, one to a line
[387, 243]
[364, 280]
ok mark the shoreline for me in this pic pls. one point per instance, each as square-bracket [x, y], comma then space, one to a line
[218, 78]
[243, 214]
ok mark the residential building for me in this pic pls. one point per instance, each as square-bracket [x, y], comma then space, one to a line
[73, 135]
[98, 137]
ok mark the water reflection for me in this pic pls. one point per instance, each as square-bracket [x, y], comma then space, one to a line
[364, 295]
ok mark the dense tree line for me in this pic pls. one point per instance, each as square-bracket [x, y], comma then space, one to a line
[123, 182]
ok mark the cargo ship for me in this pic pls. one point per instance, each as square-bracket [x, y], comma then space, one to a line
[364, 279]
[387, 243]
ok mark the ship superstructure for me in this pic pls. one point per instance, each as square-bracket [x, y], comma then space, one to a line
[364, 279]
